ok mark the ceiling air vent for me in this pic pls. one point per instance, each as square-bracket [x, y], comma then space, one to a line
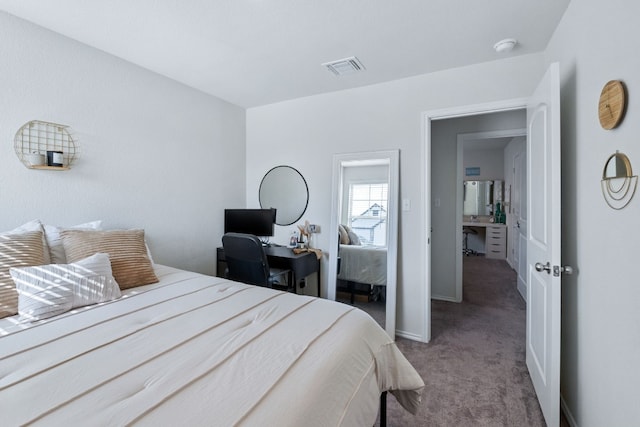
[344, 66]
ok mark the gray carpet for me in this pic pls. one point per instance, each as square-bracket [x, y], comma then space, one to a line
[474, 367]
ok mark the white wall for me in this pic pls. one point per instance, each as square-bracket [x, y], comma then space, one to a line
[490, 162]
[154, 154]
[596, 42]
[305, 133]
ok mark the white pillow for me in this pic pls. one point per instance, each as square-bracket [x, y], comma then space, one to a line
[49, 290]
[34, 225]
[54, 241]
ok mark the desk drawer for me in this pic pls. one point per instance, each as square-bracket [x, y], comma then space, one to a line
[496, 231]
[496, 242]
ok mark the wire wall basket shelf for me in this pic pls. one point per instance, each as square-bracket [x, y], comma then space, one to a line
[35, 138]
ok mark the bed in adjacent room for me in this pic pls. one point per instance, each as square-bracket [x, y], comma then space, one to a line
[188, 349]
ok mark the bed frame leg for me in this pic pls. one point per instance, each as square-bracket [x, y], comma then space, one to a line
[383, 409]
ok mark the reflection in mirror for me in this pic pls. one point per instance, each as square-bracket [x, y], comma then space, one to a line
[364, 217]
[618, 166]
[285, 189]
[478, 198]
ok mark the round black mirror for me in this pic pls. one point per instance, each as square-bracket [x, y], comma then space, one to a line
[285, 189]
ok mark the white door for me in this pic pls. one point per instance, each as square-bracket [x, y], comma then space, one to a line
[519, 222]
[543, 243]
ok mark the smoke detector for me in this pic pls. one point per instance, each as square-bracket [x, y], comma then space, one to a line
[505, 45]
[344, 66]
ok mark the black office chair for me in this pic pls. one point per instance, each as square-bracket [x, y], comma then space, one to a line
[247, 262]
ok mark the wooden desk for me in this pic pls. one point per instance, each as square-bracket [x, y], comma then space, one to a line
[301, 265]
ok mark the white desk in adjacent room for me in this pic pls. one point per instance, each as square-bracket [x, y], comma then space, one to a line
[495, 237]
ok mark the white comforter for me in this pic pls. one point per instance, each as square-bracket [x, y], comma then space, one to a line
[363, 264]
[200, 350]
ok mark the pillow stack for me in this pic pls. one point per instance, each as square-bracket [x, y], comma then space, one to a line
[47, 270]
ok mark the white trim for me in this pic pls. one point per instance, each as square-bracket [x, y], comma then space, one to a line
[339, 161]
[427, 117]
[425, 225]
[442, 298]
[567, 413]
[408, 335]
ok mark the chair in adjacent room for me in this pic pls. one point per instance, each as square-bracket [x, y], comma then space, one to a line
[465, 243]
[247, 262]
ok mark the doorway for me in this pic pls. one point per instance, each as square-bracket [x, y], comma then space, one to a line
[443, 232]
[543, 264]
[489, 157]
[450, 138]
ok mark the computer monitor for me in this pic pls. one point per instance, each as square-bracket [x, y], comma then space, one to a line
[258, 222]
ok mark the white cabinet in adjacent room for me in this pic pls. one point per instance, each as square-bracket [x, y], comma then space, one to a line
[496, 241]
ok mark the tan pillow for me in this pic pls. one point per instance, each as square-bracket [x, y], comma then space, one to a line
[126, 248]
[34, 225]
[344, 236]
[17, 250]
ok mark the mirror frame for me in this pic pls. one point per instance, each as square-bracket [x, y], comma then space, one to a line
[303, 181]
[339, 162]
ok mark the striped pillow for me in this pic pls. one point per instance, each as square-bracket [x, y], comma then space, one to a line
[17, 250]
[49, 290]
[130, 262]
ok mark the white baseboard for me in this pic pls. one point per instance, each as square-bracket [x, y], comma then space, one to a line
[522, 290]
[567, 413]
[441, 298]
[409, 335]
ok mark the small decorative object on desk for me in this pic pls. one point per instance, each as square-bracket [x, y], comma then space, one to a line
[318, 252]
[305, 235]
[500, 216]
[293, 241]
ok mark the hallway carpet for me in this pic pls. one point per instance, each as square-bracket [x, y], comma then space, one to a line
[474, 367]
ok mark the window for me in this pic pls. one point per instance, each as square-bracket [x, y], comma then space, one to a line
[368, 212]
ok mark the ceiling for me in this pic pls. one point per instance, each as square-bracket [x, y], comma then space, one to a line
[257, 52]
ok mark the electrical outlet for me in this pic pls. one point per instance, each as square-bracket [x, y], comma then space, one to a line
[314, 228]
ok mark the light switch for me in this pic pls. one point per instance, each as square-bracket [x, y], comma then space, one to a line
[436, 202]
[406, 205]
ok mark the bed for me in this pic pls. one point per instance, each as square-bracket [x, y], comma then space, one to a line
[194, 349]
[363, 264]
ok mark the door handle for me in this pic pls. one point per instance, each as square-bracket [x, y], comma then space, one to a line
[543, 267]
[559, 269]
